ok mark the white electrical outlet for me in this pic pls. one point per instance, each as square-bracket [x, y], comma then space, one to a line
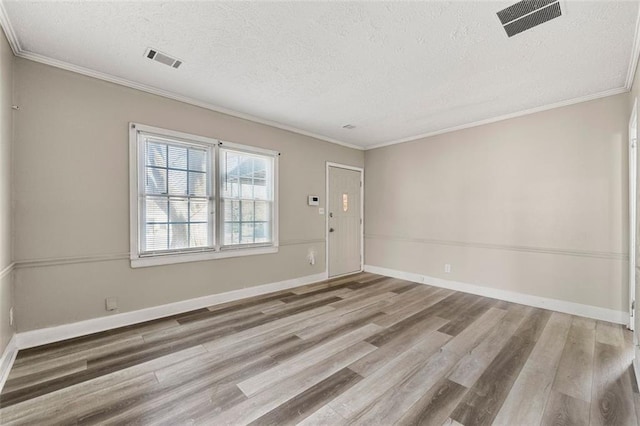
[111, 303]
[11, 316]
[447, 268]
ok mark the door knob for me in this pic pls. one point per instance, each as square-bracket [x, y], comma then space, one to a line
[330, 229]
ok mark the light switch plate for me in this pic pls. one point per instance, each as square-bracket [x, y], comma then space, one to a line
[321, 210]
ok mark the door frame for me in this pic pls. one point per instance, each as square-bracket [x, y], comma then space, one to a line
[633, 172]
[326, 219]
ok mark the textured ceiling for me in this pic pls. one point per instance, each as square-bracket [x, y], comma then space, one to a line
[395, 70]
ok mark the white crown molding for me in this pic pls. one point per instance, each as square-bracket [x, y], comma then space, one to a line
[635, 53]
[573, 101]
[589, 311]
[43, 336]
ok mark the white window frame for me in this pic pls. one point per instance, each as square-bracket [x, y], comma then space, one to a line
[216, 250]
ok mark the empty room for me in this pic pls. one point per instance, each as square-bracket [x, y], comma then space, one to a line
[319, 212]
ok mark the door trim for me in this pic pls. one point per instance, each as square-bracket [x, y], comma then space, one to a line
[326, 214]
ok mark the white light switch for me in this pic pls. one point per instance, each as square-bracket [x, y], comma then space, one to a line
[321, 210]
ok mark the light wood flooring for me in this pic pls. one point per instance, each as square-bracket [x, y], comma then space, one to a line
[364, 349]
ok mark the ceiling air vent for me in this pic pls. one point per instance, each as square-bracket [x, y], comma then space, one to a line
[153, 54]
[527, 14]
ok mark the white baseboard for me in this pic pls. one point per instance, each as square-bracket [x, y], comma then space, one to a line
[595, 312]
[6, 361]
[29, 339]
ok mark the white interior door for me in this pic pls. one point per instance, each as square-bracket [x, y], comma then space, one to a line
[344, 220]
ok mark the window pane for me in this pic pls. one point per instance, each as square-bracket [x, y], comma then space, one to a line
[156, 208]
[231, 211]
[178, 236]
[260, 190]
[262, 210]
[230, 188]
[178, 210]
[180, 218]
[177, 157]
[246, 185]
[199, 211]
[260, 168]
[247, 233]
[156, 181]
[247, 211]
[156, 154]
[156, 237]
[198, 235]
[197, 160]
[231, 233]
[231, 161]
[246, 188]
[245, 165]
[198, 184]
[262, 233]
[177, 182]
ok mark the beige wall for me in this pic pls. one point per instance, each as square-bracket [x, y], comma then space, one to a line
[72, 210]
[6, 135]
[536, 204]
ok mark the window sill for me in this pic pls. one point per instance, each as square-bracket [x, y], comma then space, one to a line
[168, 259]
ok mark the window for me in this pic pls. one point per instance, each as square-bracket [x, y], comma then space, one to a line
[246, 196]
[174, 198]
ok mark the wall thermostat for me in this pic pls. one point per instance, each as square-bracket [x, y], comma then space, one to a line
[314, 200]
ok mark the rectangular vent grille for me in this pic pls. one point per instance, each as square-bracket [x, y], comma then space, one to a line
[522, 8]
[162, 58]
[527, 14]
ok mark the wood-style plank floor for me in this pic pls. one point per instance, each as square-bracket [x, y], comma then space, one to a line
[363, 349]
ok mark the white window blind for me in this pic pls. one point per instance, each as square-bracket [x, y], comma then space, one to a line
[177, 205]
[196, 198]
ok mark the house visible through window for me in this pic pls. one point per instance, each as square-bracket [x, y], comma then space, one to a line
[247, 197]
[180, 181]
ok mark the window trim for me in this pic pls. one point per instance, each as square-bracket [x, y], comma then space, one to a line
[216, 250]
